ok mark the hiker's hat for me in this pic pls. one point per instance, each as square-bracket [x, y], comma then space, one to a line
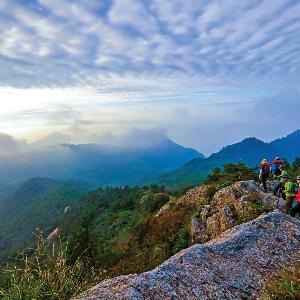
[264, 161]
[286, 176]
[277, 158]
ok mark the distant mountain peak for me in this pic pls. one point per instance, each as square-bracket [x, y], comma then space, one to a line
[251, 140]
[247, 142]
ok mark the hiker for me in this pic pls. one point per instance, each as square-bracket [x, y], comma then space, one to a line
[264, 173]
[296, 207]
[282, 170]
[288, 190]
[279, 187]
[277, 163]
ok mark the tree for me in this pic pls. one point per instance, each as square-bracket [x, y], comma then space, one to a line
[296, 164]
[82, 241]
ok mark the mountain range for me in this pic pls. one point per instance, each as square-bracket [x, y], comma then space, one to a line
[93, 165]
[40, 202]
[250, 151]
[162, 161]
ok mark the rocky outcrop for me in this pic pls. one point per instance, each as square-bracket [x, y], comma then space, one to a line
[193, 198]
[54, 234]
[232, 205]
[53, 237]
[240, 202]
[67, 208]
[232, 266]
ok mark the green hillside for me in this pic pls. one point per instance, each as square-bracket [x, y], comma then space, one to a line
[39, 202]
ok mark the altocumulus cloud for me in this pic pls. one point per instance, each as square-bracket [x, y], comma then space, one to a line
[63, 43]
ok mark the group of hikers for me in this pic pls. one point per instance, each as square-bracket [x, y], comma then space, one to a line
[288, 189]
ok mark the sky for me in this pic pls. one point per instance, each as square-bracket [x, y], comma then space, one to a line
[204, 73]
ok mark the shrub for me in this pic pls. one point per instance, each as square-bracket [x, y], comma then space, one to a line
[254, 208]
[211, 190]
[182, 191]
[182, 241]
[224, 184]
[296, 164]
[231, 173]
[153, 202]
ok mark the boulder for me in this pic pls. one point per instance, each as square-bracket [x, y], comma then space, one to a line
[235, 265]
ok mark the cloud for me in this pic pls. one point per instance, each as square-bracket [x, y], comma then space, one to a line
[20, 150]
[192, 67]
[206, 121]
[20, 160]
[67, 43]
[133, 13]
[10, 146]
[140, 138]
[63, 115]
[277, 115]
[54, 138]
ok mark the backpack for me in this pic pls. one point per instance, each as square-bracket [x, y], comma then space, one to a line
[295, 188]
[278, 164]
[265, 170]
[289, 188]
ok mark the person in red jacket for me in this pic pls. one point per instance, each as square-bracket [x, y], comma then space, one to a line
[296, 208]
[277, 163]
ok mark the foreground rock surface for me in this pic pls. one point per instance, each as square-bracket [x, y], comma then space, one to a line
[232, 266]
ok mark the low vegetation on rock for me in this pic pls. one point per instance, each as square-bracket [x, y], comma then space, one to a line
[284, 286]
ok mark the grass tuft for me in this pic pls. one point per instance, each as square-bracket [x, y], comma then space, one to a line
[286, 286]
[45, 274]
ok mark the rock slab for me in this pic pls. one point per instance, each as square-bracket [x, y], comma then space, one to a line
[232, 266]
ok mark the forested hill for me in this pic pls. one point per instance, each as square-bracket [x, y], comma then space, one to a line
[39, 202]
